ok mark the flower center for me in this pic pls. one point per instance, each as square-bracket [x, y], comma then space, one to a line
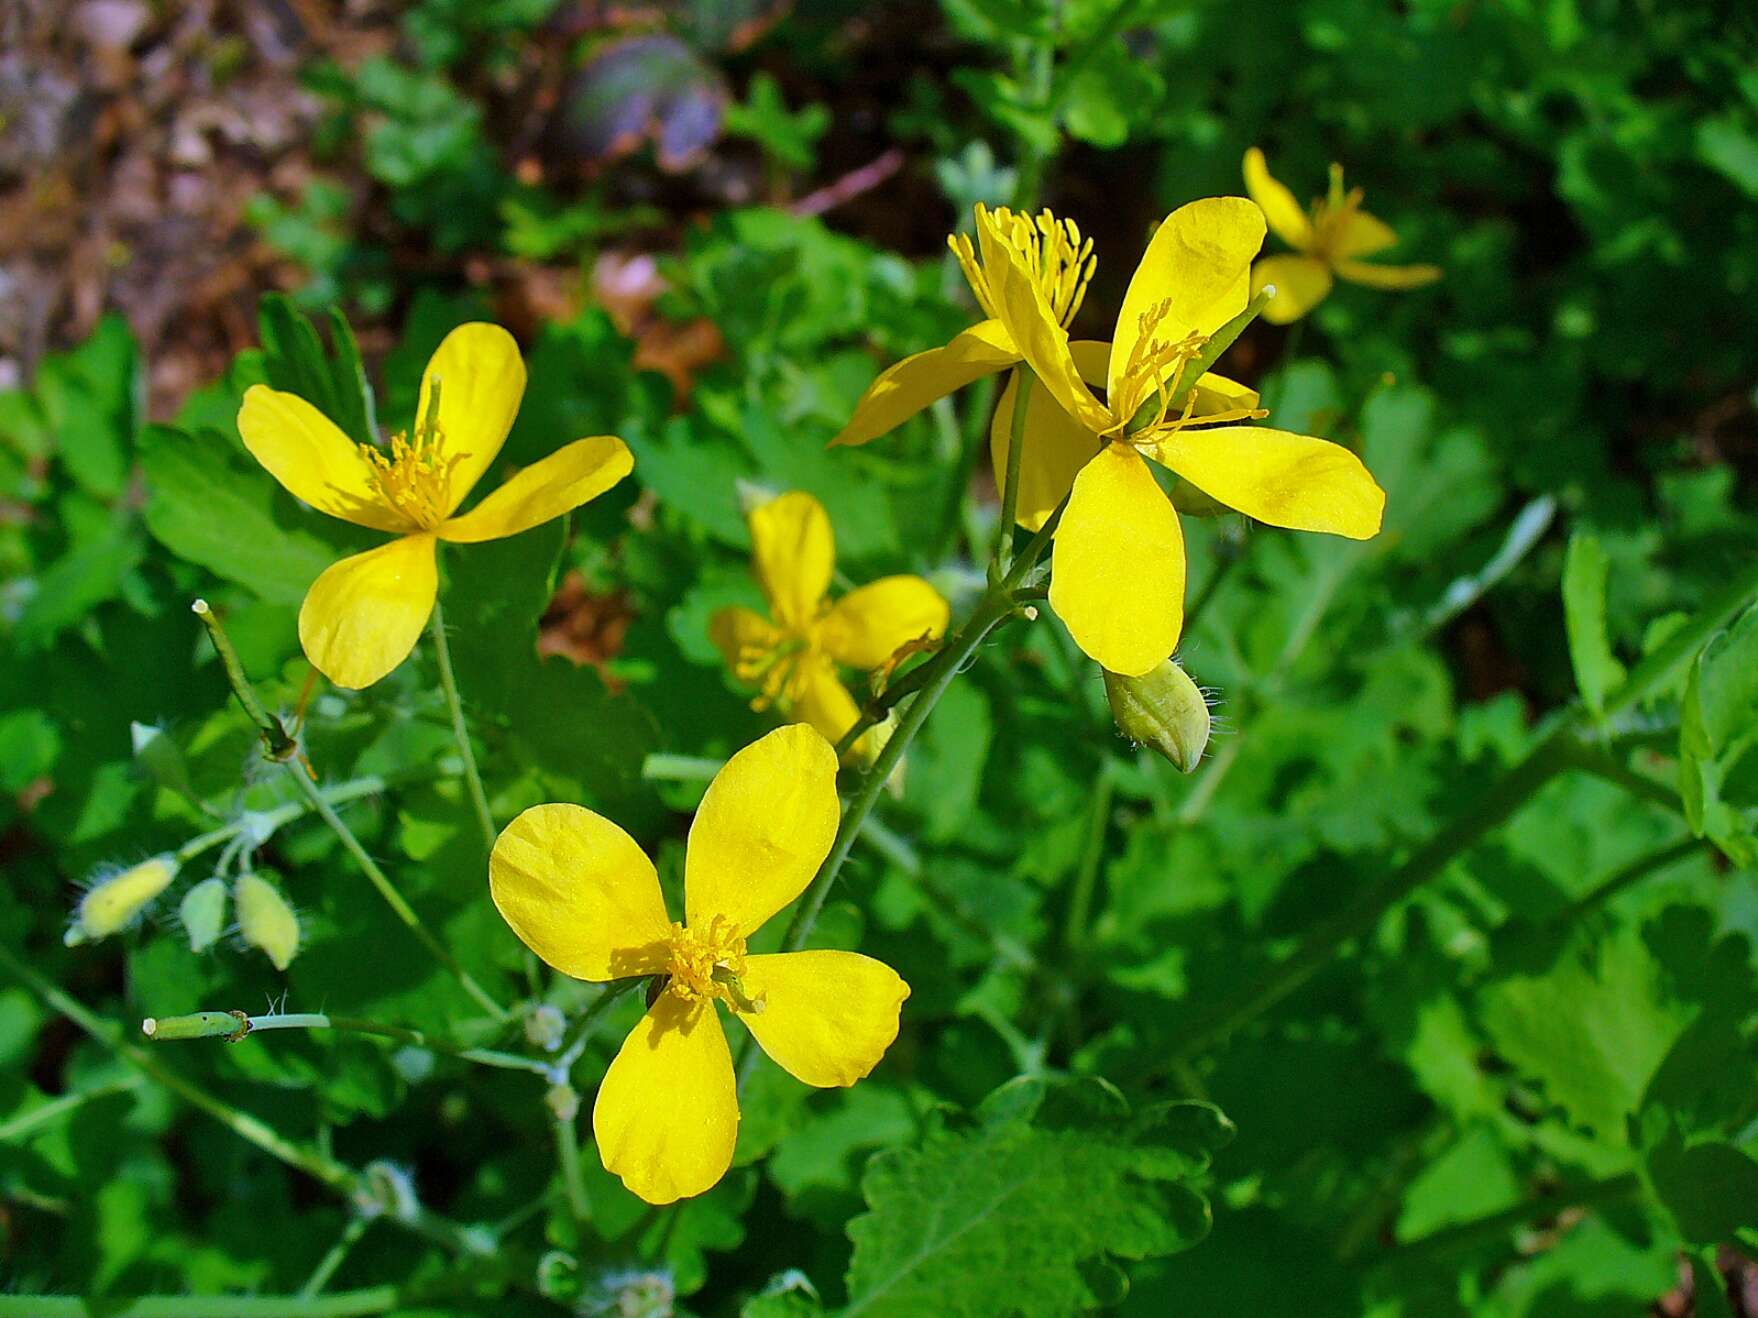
[778, 671]
[1060, 261]
[1332, 215]
[415, 476]
[707, 963]
[1143, 410]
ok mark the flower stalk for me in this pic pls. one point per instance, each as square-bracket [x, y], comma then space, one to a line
[460, 729]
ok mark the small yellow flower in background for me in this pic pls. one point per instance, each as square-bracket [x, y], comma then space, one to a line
[363, 615]
[1060, 262]
[581, 894]
[791, 656]
[1117, 569]
[1330, 241]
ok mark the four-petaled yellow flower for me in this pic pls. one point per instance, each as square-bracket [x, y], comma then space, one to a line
[363, 615]
[1117, 568]
[1330, 240]
[791, 656]
[583, 896]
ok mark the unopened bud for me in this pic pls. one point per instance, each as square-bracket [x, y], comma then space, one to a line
[387, 1190]
[545, 1027]
[265, 920]
[110, 904]
[203, 913]
[1163, 709]
[564, 1102]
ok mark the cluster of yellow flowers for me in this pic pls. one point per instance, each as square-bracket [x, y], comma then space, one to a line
[572, 884]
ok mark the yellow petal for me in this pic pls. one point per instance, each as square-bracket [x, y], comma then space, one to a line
[794, 552]
[667, 1114]
[362, 616]
[864, 628]
[1275, 476]
[1388, 276]
[1361, 234]
[825, 703]
[1199, 265]
[765, 824]
[580, 893]
[827, 1017]
[311, 457]
[905, 388]
[1117, 572]
[481, 379]
[1056, 445]
[738, 632]
[1301, 284]
[1286, 216]
[560, 483]
[1216, 393]
[1040, 339]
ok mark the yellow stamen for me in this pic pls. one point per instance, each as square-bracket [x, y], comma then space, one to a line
[708, 963]
[1332, 215]
[415, 477]
[1059, 259]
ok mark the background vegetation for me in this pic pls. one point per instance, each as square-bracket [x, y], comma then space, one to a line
[1449, 943]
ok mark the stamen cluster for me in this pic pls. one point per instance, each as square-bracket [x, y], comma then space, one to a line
[415, 478]
[1060, 260]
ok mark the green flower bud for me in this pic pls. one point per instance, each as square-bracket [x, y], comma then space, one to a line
[203, 912]
[112, 903]
[265, 920]
[545, 1027]
[563, 1101]
[1163, 709]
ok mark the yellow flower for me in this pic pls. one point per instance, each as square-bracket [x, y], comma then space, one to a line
[1117, 575]
[580, 893]
[791, 656]
[362, 616]
[1060, 262]
[1331, 240]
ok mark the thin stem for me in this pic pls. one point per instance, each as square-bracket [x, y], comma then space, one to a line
[337, 1255]
[1630, 875]
[574, 1042]
[276, 742]
[1080, 901]
[567, 1143]
[663, 768]
[1594, 760]
[875, 710]
[22, 1125]
[235, 1025]
[460, 730]
[262, 824]
[343, 1304]
[393, 898]
[1450, 1240]
[1003, 561]
[1557, 751]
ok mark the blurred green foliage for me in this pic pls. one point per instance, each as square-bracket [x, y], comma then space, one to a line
[1559, 1019]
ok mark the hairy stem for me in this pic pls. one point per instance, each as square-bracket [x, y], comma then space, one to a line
[460, 730]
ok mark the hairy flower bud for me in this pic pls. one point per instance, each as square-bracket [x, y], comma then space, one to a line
[265, 920]
[1162, 709]
[203, 913]
[110, 904]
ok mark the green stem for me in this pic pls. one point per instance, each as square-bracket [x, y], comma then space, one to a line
[574, 1042]
[372, 1300]
[1630, 875]
[460, 730]
[393, 898]
[679, 768]
[1453, 1239]
[276, 742]
[20, 1126]
[264, 823]
[1075, 932]
[1560, 749]
[567, 1143]
[338, 1253]
[235, 1025]
[1003, 560]
[1596, 761]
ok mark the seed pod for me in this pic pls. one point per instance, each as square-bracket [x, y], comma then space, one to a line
[203, 912]
[1163, 709]
[112, 903]
[265, 920]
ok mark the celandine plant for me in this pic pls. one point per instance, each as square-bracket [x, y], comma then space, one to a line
[998, 1016]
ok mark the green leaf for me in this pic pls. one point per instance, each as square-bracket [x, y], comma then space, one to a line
[1710, 1189]
[1718, 724]
[212, 505]
[1597, 671]
[295, 361]
[1033, 1200]
[91, 400]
